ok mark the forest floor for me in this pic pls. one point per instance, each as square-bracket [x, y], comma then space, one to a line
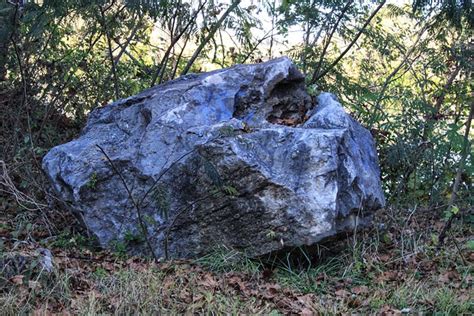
[393, 268]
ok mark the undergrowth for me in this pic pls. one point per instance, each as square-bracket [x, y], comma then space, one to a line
[392, 268]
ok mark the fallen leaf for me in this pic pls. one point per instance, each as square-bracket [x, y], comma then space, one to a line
[17, 279]
[34, 285]
[360, 290]
[271, 290]
[342, 293]
[208, 281]
[307, 299]
[384, 258]
[449, 276]
[307, 312]
[389, 276]
[387, 310]
[186, 296]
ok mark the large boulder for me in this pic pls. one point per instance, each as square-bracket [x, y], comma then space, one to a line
[240, 156]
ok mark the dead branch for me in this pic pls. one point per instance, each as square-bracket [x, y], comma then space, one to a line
[7, 186]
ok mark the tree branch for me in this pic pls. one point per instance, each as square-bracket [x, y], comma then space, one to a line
[457, 180]
[209, 36]
[328, 41]
[338, 59]
[388, 80]
[111, 56]
[161, 68]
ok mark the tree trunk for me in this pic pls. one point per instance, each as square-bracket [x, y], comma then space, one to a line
[7, 26]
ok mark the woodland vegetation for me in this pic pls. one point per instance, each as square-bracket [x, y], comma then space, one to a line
[402, 68]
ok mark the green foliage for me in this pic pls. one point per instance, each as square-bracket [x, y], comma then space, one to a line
[311, 280]
[456, 12]
[67, 240]
[212, 173]
[451, 212]
[230, 190]
[100, 273]
[413, 96]
[470, 245]
[150, 220]
[227, 131]
[271, 234]
[91, 184]
[119, 247]
[161, 198]
[130, 237]
[447, 303]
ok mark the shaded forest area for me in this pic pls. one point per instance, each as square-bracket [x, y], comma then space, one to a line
[403, 69]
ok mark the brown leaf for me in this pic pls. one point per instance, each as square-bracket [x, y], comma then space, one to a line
[342, 293]
[387, 310]
[235, 280]
[186, 296]
[354, 303]
[360, 290]
[34, 285]
[307, 299]
[208, 281]
[274, 288]
[307, 312]
[168, 283]
[389, 276]
[464, 298]
[385, 257]
[271, 290]
[449, 276]
[197, 297]
[17, 279]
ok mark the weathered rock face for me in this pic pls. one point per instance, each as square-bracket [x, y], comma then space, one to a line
[239, 156]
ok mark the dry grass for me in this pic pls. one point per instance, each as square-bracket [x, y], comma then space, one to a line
[390, 270]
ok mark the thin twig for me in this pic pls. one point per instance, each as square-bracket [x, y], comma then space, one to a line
[178, 59]
[328, 40]
[218, 24]
[457, 180]
[109, 47]
[254, 48]
[335, 62]
[161, 68]
[388, 80]
[25, 201]
[135, 204]
[162, 174]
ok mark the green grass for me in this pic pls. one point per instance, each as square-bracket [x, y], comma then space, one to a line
[447, 303]
[225, 259]
[312, 280]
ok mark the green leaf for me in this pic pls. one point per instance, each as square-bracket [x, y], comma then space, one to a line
[434, 239]
[454, 210]
[470, 245]
[230, 190]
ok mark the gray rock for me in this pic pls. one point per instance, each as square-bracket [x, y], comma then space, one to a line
[239, 156]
